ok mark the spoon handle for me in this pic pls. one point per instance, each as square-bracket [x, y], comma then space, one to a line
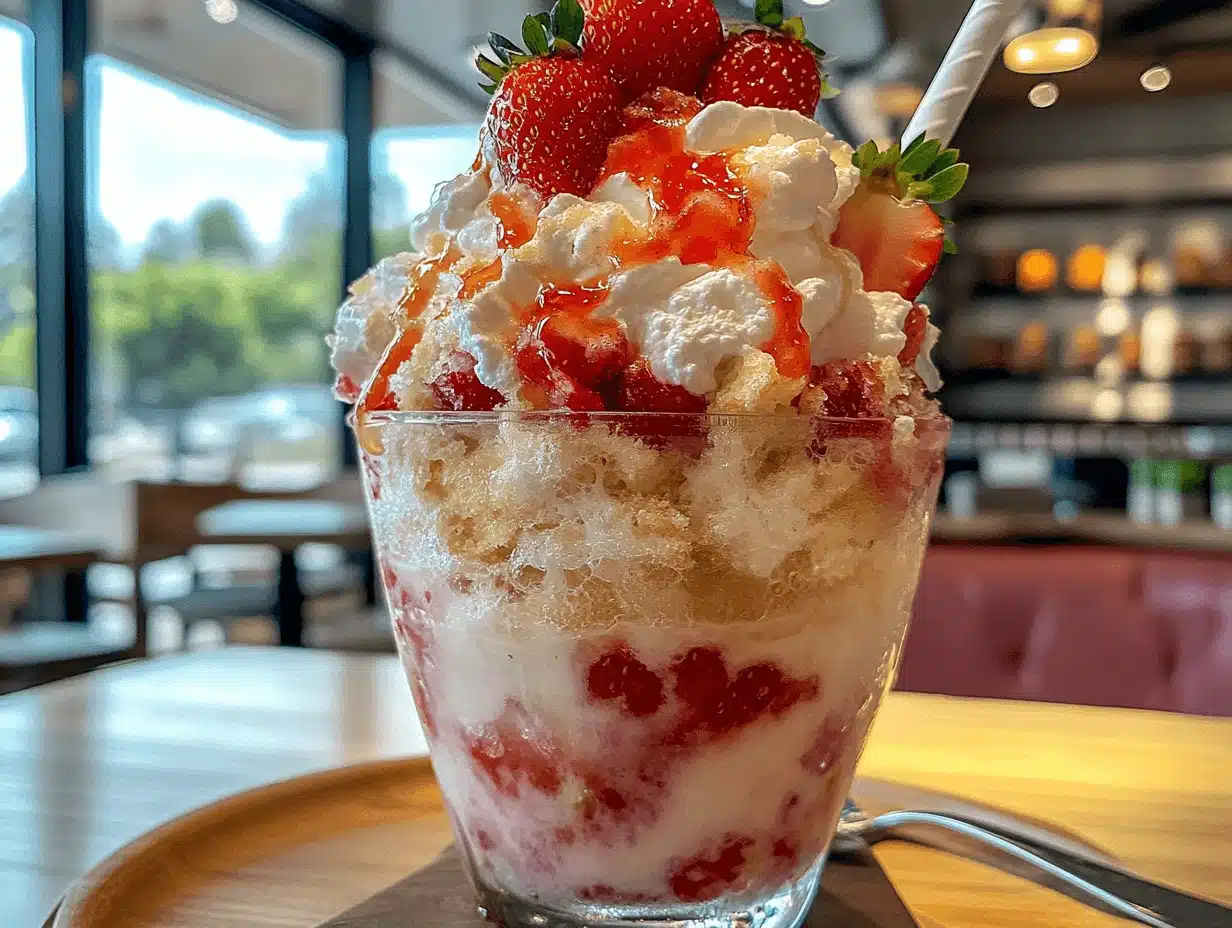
[1088, 881]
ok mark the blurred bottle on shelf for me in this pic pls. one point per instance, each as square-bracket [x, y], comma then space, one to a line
[1030, 355]
[1083, 350]
[1037, 272]
[1221, 496]
[1000, 271]
[1084, 272]
[1130, 351]
[1140, 504]
[1179, 491]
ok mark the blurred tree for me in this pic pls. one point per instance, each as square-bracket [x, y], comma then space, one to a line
[220, 232]
[17, 224]
[104, 245]
[17, 355]
[167, 243]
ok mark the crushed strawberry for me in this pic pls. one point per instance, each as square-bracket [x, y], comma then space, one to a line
[659, 107]
[618, 674]
[346, 389]
[761, 690]
[641, 391]
[701, 677]
[915, 328]
[514, 754]
[827, 748]
[458, 387]
[712, 872]
[853, 389]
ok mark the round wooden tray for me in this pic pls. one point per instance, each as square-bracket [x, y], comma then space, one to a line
[299, 852]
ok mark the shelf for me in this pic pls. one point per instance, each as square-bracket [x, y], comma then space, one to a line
[1114, 530]
[1094, 440]
[1085, 400]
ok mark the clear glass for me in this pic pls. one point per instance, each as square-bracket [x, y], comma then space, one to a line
[647, 648]
[18, 401]
[216, 168]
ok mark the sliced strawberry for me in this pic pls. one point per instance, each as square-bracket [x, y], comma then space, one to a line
[653, 43]
[553, 113]
[346, 389]
[889, 225]
[591, 351]
[619, 675]
[899, 245]
[458, 387]
[915, 328]
[775, 65]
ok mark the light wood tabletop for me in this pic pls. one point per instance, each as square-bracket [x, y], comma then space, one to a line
[89, 764]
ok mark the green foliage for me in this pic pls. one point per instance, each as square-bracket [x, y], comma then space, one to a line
[17, 356]
[178, 333]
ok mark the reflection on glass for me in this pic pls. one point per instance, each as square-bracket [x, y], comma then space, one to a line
[420, 139]
[215, 226]
[18, 405]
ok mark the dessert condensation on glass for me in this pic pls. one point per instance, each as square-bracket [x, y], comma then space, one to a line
[650, 468]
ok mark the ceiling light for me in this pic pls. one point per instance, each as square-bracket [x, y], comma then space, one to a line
[1156, 78]
[1051, 51]
[221, 11]
[1044, 95]
[815, 2]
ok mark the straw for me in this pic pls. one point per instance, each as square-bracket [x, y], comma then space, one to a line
[972, 53]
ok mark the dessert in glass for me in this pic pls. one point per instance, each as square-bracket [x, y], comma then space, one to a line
[650, 456]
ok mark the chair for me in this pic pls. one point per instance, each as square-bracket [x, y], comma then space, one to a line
[75, 520]
[177, 519]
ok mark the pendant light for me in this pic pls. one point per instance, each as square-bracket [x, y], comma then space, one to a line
[1069, 39]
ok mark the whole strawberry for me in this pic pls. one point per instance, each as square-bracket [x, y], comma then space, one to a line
[775, 66]
[653, 43]
[553, 114]
[889, 224]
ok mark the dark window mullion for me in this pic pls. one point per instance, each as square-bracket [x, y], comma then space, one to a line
[62, 330]
[357, 127]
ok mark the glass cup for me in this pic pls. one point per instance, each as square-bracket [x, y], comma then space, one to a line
[647, 648]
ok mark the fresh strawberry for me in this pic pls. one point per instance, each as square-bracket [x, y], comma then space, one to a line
[774, 65]
[653, 43]
[889, 224]
[915, 328]
[553, 113]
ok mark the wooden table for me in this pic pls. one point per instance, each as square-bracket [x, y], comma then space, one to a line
[287, 525]
[88, 764]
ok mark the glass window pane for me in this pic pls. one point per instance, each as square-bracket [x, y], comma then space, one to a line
[18, 405]
[420, 141]
[216, 169]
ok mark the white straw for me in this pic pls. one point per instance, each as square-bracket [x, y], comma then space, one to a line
[966, 64]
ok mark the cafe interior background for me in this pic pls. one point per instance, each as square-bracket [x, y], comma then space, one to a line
[175, 239]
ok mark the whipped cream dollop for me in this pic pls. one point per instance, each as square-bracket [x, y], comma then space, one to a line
[685, 320]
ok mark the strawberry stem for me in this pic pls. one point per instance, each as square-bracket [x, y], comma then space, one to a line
[544, 34]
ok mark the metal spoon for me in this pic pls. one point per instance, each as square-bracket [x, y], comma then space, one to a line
[1082, 878]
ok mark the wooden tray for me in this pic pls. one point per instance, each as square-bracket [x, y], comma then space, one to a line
[299, 852]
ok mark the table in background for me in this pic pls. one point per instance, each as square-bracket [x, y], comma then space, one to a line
[287, 525]
[89, 764]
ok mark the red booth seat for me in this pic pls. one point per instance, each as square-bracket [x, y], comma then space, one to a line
[1093, 626]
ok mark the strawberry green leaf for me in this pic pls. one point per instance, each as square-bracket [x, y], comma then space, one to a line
[915, 143]
[945, 185]
[490, 69]
[770, 13]
[489, 89]
[918, 190]
[794, 27]
[546, 19]
[890, 157]
[947, 158]
[535, 36]
[828, 90]
[865, 157]
[813, 47]
[503, 47]
[949, 247]
[916, 161]
[567, 21]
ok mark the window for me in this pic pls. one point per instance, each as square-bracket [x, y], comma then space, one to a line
[18, 407]
[419, 143]
[215, 166]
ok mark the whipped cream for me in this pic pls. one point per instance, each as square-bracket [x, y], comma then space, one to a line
[685, 320]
